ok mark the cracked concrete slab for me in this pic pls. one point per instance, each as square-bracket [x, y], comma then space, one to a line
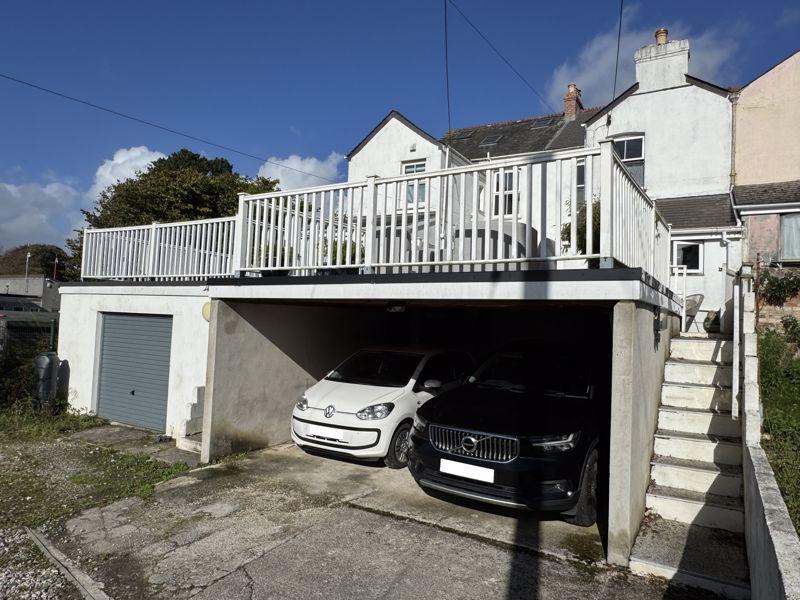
[279, 523]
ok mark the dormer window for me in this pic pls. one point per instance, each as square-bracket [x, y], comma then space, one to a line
[490, 140]
[631, 151]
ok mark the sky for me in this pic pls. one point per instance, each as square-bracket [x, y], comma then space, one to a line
[302, 82]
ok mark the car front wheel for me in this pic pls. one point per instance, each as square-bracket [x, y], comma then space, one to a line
[397, 457]
[586, 509]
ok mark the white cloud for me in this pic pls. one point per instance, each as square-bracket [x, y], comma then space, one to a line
[37, 213]
[291, 179]
[124, 165]
[49, 211]
[593, 68]
[789, 17]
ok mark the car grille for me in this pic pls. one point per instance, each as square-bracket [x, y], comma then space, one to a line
[495, 448]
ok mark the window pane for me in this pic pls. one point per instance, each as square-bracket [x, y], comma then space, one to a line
[689, 255]
[438, 367]
[791, 235]
[581, 174]
[619, 148]
[636, 168]
[421, 185]
[633, 148]
[410, 192]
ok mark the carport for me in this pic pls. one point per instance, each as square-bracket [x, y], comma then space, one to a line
[265, 349]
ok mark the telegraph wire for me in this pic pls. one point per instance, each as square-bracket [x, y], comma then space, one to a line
[503, 58]
[157, 126]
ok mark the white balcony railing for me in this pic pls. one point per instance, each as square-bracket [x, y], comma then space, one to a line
[523, 213]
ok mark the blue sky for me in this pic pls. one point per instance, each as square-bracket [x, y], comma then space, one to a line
[304, 81]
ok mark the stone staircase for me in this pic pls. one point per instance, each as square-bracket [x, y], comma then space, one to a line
[193, 432]
[692, 532]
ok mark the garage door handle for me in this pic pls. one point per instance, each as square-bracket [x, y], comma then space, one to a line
[133, 392]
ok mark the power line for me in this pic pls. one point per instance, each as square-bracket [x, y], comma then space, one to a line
[500, 54]
[157, 126]
[447, 67]
[616, 62]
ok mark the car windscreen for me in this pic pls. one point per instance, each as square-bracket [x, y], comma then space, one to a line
[522, 371]
[377, 367]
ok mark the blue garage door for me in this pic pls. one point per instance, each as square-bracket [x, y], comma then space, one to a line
[134, 369]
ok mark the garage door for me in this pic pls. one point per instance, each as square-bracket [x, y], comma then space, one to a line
[134, 369]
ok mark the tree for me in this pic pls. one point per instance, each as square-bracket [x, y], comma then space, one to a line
[181, 187]
[42, 260]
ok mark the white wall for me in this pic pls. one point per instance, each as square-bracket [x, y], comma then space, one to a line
[712, 281]
[78, 340]
[687, 139]
[389, 148]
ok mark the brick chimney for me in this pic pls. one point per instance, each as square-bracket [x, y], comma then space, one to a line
[572, 102]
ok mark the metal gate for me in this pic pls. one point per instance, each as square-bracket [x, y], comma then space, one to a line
[134, 369]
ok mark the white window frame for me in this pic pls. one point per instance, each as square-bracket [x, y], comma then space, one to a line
[784, 257]
[701, 257]
[411, 191]
[625, 161]
[580, 187]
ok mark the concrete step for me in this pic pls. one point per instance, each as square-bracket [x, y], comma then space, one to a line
[689, 395]
[190, 443]
[702, 373]
[695, 446]
[697, 476]
[692, 556]
[698, 420]
[695, 508]
[702, 335]
[194, 425]
[718, 351]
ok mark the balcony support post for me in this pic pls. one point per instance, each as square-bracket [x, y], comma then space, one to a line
[371, 212]
[151, 256]
[239, 238]
[606, 204]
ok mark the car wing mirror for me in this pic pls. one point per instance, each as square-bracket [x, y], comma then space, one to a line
[432, 385]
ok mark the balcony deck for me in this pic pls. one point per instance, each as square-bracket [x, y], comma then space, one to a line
[508, 229]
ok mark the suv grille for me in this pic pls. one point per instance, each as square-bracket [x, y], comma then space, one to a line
[495, 448]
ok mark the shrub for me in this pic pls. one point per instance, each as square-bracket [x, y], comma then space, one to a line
[777, 289]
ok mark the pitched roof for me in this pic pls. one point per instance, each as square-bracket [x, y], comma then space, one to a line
[516, 137]
[783, 192]
[393, 114]
[697, 212]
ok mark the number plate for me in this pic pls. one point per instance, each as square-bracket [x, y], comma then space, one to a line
[326, 432]
[452, 467]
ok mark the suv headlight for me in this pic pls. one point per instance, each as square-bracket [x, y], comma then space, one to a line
[420, 424]
[376, 411]
[555, 443]
[302, 403]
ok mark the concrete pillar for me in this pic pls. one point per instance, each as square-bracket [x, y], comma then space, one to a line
[640, 349]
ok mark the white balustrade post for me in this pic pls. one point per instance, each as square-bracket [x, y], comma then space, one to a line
[151, 258]
[240, 238]
[606, 204]
[83, 252]
[370, 218]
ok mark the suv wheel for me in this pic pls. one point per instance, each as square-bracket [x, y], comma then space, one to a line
[397, 457]
[586, 509]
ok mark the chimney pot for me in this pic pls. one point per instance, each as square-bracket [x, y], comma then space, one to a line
[572, 102]
[662, 35]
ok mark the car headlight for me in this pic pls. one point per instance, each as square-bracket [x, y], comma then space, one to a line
[376, 411]
[420, 423]
[302, 403]
[555, 443]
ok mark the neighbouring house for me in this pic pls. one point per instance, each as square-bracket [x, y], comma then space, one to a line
[28, 310]
[673, 131]
[210, 330]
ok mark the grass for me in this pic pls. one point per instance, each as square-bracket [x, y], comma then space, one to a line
[46, 477]
[22, 425]
[780, 395]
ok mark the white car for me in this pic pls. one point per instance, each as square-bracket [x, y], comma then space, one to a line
[364, 408]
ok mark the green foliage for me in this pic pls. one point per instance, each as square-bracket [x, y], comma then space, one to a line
[566, 229]
[791, 327]
[12, 262]
[777, 289]
[17, 374]
[780, 394]
[181, 187]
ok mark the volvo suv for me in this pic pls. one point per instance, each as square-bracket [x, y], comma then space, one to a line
[523, 431]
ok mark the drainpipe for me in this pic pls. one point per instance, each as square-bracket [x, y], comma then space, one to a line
[734, 99]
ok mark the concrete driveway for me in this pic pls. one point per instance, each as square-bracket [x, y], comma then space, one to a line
[283, 524]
